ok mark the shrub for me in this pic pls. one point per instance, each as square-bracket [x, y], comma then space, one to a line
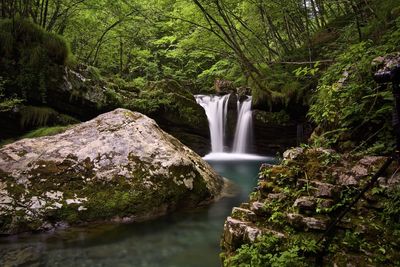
[268, 251]
[348, 104]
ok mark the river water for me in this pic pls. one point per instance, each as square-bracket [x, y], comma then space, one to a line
[182, 239]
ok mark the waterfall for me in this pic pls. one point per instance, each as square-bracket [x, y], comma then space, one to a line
[244, 127]
[216, 108]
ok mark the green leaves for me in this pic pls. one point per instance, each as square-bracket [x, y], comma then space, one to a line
[307, 71]
[348, 104]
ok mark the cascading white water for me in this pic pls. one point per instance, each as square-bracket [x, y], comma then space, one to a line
[244, 127]
[216, 108]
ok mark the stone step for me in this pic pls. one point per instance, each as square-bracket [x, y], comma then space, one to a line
[243, 214]
[238, 232]
[313, 223]
[319, 189]
[309, 204]
[306, 204]
[258, 208]
[276, 196]
[324, 205]
[245, 205]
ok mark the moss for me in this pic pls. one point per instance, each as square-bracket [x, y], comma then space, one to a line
[46, 131]
[136, 196]
[355, 240]
[30, 59]
[280, 174]
[113, 99]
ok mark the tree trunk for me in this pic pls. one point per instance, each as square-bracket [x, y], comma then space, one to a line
[121, 51]
[45, 14]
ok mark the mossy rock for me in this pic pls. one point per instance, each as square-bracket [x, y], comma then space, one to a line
[120, 165]
[367, 236]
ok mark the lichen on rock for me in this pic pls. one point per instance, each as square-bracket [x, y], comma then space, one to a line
[118, 165]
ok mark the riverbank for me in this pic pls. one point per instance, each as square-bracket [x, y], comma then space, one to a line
[295, 202]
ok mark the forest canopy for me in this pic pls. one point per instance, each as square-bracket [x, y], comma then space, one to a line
[198, 41]
[287, 52]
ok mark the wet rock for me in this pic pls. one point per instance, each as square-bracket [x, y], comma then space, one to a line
[313, 223]
[385, 63]
[27, 256]
[120, 164]
[243, 214]
[369, 161]
[258, 208]
[393, 180]
[359, 171]
[293, 154]
[325, 203]
[271, 137]
[347, 180]
[224, 86]
[325, 190]
[319, 189]
[190, 126]
[243, 91]
[276, 196]
[305, 204]
[237, 233]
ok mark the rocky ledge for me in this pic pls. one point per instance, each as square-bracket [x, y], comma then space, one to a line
[118, 166]
[295, 202]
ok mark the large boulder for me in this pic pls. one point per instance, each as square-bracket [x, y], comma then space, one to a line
[120, 165]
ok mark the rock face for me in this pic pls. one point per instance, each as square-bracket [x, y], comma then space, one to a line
[183, 117]
[274, 132]
[120, 165]
[79, 94]
[296, 201]
[82, 95]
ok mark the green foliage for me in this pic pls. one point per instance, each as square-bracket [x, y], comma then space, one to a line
[6, 104]
[94, 73]
[149, 101]
[167, 99]
[307, 71]
[392, 205]
[30, 57]
[352, 240]
[273, 251]
[348, 104]
[223, 69]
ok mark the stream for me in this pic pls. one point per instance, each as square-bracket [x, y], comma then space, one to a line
[181, 239]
